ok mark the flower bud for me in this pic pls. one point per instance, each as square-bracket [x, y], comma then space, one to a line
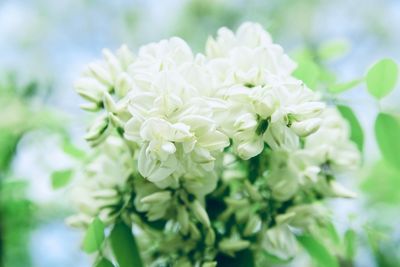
[92, 107]
[101, 74]
[112, 62]
[105, 193]
[280, 242]
[209, 264]
[210, 237]
[252, 191]
[90, 89]
[306, 110]
[251, 148]
[339, 190]
[157, 197]
[183, 219]
[233, 245]
[125, 56]
[307, 127]
[200, 213]
[194, 232]
[116, 122]
[284, 218]
[109, 103]
[123, 84]
[252, 226]
[97, 130]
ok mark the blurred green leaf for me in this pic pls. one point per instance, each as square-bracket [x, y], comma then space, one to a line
[17, 218]
[341, 87]
[382, 184]
[350, 241]
[103, 262]
[387, 133]
[357, 135]
[61, 178]
[381, 78]
[94, 236]
[332, 232]
[71, 150]
[317, 251]
[334, 49]
[124, 246]
[8, 145]
[307, 71]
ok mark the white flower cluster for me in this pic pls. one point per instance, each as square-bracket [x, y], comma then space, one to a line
[181, 116]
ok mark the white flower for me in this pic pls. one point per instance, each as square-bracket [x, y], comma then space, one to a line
[280, 242]
[172, 119]
[106, 76]
[177, 126]
[332, 144]
[249, 55]
[100, 187]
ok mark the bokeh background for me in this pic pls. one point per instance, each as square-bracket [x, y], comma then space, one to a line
[45, 44]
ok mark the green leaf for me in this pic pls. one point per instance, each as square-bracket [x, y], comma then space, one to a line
[103, 262]
[387, 133]
[72, 150]
[350, 239]
[317, 251]
[356, 135]
[334, 49]
[61, 178]
[8, 145]
[309, 72]
[94, 236]
[381, 78]
[382, 184]
[124, 246]
[332, 233]
[341, 87]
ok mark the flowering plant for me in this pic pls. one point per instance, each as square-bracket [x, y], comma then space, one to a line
[214, 159]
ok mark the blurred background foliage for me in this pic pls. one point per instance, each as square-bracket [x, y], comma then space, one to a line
[45, 44]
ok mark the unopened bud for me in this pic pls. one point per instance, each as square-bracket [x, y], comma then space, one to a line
[112, 62]
[92, 107]
[116, 122]
[157, 197]
[105, 193]
[285, 218]
[194, 232]
[183, 219]
[97, 129]
[209, 264]
[109, 103]
[252, 191]
[123, 84]
[340, 191]
[200, 213]
[307, 127]
[237, 203]
[101, 74]
[210, 237]
[125, 56]
[231, 245]
[306, 110]
[90, 89]
[252, 225]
